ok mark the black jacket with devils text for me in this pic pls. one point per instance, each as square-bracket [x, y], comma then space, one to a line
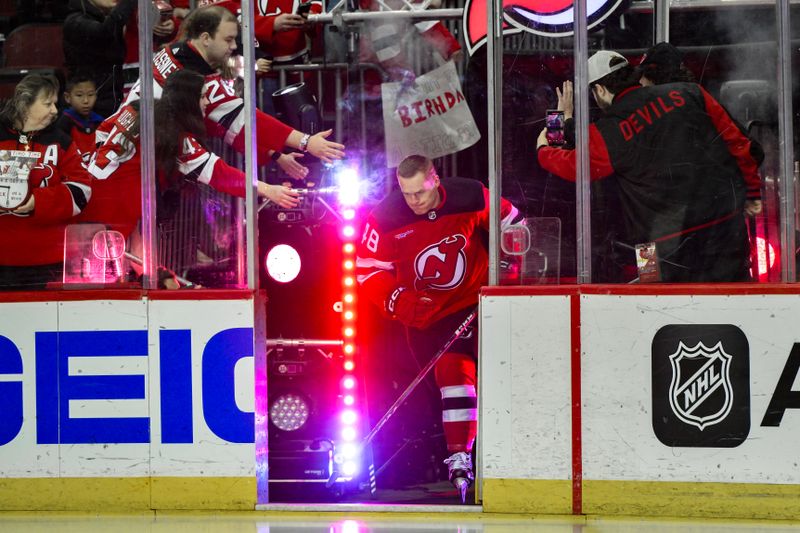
[680, 161]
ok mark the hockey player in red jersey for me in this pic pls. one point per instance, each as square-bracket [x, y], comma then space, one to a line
[422, 260]
[210, 40]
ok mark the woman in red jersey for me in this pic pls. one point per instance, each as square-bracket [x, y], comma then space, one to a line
[181, 156]
[42, 186]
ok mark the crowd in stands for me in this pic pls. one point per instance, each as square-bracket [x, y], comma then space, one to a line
[82, 164]
[97, 124]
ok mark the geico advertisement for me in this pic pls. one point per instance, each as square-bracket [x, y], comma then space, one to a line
[691, 388]
[126, 388]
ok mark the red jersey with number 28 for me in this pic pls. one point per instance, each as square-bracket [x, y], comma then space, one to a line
[442, 252]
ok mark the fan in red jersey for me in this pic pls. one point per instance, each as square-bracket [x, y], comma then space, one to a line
[180, 156]
[210, 34]
[42, 186]
[422, 260]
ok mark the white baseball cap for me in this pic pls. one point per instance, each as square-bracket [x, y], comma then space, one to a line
[600, 64]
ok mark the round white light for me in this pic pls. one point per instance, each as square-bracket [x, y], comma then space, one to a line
[289, 412]
[348, 451]
[349, 417]
[349, 468]
[283, 263]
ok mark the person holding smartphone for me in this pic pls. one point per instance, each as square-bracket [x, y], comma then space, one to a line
[685, 172]
[284, 36]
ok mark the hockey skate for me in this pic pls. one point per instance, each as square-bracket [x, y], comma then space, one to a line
[460, 467]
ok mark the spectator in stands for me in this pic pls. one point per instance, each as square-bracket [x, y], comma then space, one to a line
[181, 157]
[388, 40]
[94, 39]
[265, 26]
[79, 120]
[210, 34]
[181, 9]
[284, 35]
[164, 30]
[44, 186]
[685, 172]
[663, 63]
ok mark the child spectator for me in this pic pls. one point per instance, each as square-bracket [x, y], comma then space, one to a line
[79, 120]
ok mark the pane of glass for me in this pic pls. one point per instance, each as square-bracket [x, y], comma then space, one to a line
[44, 214]
[734, 59]
[674, 167]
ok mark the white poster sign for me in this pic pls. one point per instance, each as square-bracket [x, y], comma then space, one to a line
[428, 117]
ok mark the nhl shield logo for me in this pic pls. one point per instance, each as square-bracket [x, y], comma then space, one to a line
[700, 393]
[701, 385]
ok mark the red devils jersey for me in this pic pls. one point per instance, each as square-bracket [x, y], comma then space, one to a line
[282, 46]
[60, 187]
[116, 169]
[225, 110]
[442, 252]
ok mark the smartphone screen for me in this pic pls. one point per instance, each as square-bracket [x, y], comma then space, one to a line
[554, 122]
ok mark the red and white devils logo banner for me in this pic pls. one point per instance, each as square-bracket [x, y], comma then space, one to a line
[551, 18]
[441, 265]
[700, 393]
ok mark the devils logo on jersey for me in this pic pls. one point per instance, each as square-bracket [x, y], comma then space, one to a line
[551, 18]
[441, 265]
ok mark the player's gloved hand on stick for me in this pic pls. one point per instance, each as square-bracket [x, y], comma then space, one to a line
[412, 308]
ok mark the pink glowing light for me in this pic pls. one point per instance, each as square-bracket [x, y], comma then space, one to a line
[349, 417]
[349, 434]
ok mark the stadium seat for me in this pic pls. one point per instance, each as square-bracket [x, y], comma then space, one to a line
[31, 48]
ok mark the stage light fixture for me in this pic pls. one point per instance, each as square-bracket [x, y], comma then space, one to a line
[296, 105]
[348, 400]
[349, 214]
[289, 412]
[348, 231]
[348, 383]
[349, 248]
[348, 298]
[283, 263]
[349, 417]
[347, 180]
[349, 468]
[349, 434]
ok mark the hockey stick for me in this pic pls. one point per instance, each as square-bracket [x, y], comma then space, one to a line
[413, 385]
[417, 380]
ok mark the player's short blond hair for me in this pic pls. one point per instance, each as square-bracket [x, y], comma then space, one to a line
[412, 165]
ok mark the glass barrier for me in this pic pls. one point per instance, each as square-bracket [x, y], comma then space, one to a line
[683, 178]
[61, 76]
